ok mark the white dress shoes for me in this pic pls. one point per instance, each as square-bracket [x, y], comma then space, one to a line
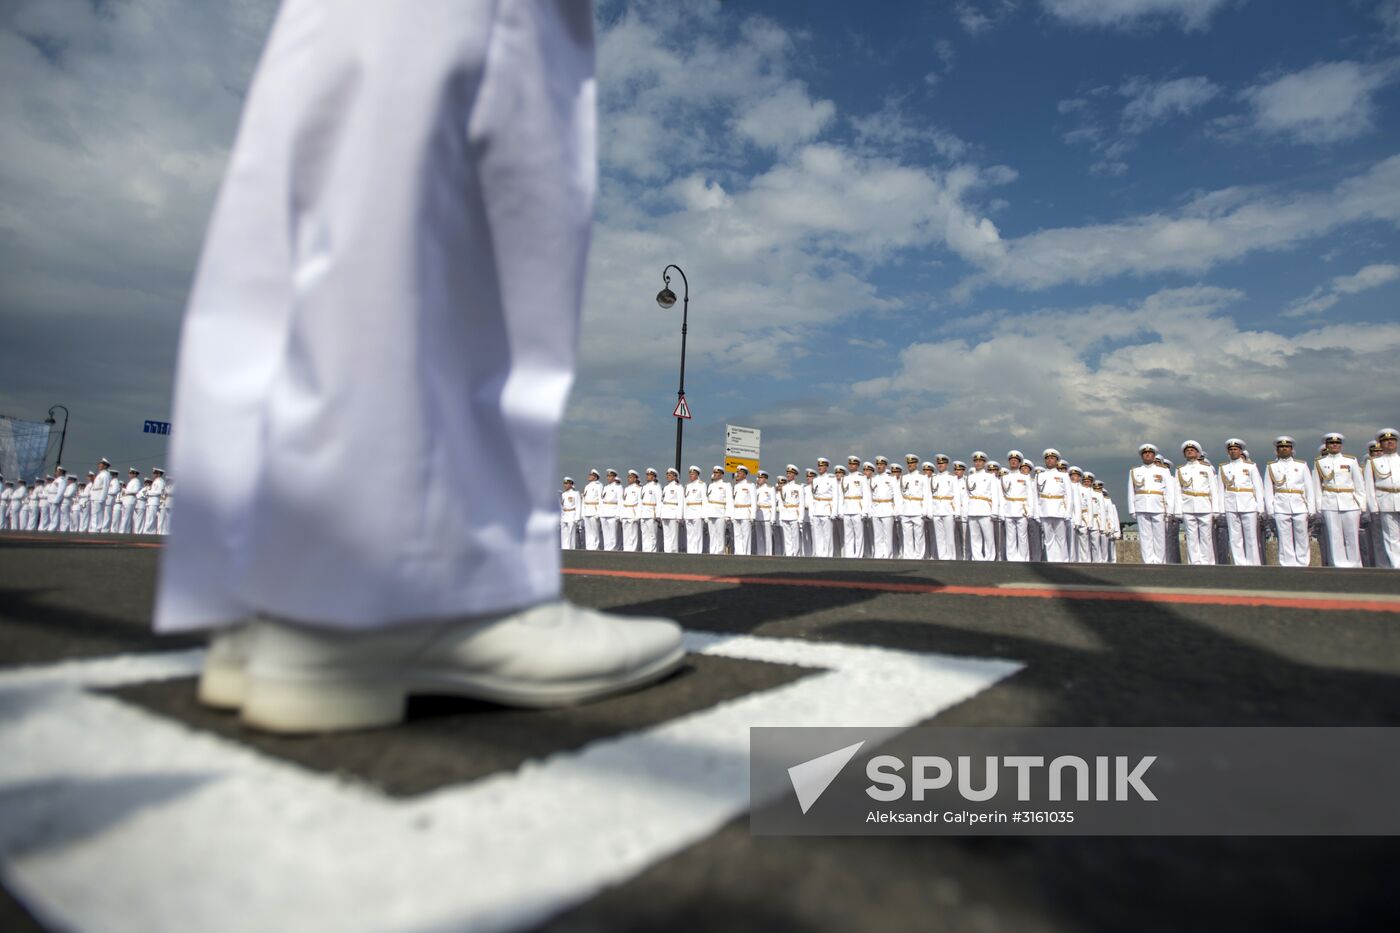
[288, 677]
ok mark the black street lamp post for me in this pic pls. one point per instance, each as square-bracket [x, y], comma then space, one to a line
[62, 436]
[667, 300]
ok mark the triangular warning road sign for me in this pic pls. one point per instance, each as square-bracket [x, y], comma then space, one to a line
[682, 409]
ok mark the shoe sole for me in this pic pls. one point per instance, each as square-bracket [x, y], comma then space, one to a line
[284, 706]
[222, 686]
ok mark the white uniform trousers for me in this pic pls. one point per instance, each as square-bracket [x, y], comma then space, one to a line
[822, 545]
[882, 537]
[1017, 534]
[1055, 540]
[568, 534]
[743, 536]
[1343, 544]
[106, 525]
[121, 523]
[631, 535]
[1200, 537]
[763, 537]
[1244, 537]
[1082, 547]
[163, 521]
[670, 535]
[648, 529]
[716, 527]
[1294, 542]
[792, 538]
[399, 242]
[1386, 529]
[943, 531]
[981, 538]
[695, 536]
[911, 539]
[612, 533]
[1152, 536]
[593, 533]
[148, 527]
[852, 536]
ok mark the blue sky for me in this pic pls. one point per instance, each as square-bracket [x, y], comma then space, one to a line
[907, 227]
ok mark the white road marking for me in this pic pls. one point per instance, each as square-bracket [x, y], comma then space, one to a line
[113, 818]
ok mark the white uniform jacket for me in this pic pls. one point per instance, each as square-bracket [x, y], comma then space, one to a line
[743, 505]
[718, 497]
[1018, 496]
[1199, 494]
[946, 494]
[611, 504]
[915, 495]
[694, 500]
[651, 500]
[855, 495]
[792, 505]
[1241, 487]
[568, 505]
[1288, 488]
[592, 499]
[885, 497]
[672, 501]
[824, 496]
[983, 493]
[1152, 489]
[765, 502]
[631, 502]
[1338, 484]
[1383, 483]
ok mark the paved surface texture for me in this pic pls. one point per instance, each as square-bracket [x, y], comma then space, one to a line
[1100, 645]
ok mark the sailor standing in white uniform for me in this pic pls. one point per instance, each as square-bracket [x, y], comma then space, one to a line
[1152, 500]
[647, 511]
[628, 511]
[1018, 509]
[1242, 500]
[718, 498]
[671, 511]
[792, 505]
[1289, 501]
[825, 494]
[765, 514]
[983, 498]
[591, 512]
[133, 486]
[568, 515]
[1340, 492]
[1383, 498]
[945, 503]
[742, 510]
[885, 504]
[694, 512]
[855, 505]
[610, 512]
[1200, 503]
[153, 497]
[914, 491]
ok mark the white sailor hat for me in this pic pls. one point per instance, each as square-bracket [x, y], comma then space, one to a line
[978, 455]
[1167, 462]
[811, 472]
[104, 460]
[959, 463]
[1015, 453]
[926, 465]
[716, 469]
[634, 473]
[1089, 474]
[741, 467]
[867, 465]
[1098, 483]
[881, 459]
[1387, 434]
[940, 457]
[908, 457]
[1145, 447]
[1373, 445]
[672, 471]
[853, 459]
[568, 479]
[611, 471]
[1039, 469]
[763, 473]
[1048, 452]
[823, 460]
[593, 472]
[129, 470]
[1283, 439]
[157, 470]
[91, 473]
[1234, 442]
[1075, 469]
[1186, 444]
[651, 471]
[896, 468]
[693, 469]
[790, 468]
[1332, 436]
[60, 469]
[839, 469]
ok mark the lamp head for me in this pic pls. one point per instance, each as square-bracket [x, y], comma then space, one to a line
[666, 299]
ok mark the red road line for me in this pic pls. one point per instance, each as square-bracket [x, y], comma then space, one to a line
[38, 536]
[1048, 592]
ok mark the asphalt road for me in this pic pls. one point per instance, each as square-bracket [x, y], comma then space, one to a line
[1101, 645]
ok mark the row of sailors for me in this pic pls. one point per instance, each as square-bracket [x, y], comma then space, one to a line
[1358, 503]
[102, 504]
[939, 509]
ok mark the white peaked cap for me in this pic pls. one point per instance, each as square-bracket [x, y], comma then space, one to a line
[1048, 451]
[1195, 444]
[867, 465]
[716, 469]
[1167, 461]
[104, 460]
[1331, 434]
[993, 463]
[133, 470]
[882, 459]
[651, 470]
[741, 467]
[824, 460]
[1383, 433]
[1089, 474]
[840, 469]
[611, 471]
[594, 472]
[1282, 439]
[853, 457]
[790, 468]
[940, 456]
[1151, 447]
[959, 463]
[634, 473]
[1075, 469]
[693, 469]
[157, 470]
[811, 472]
[91, 473]
[672, 470]
[763, 473]
[926, 463]
[1015, 453]
[976, 454]
[908, 457]
[568, 479]
[1234, 442]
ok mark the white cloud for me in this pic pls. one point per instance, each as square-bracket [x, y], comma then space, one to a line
[978, 16]
[1388, 12]
[1212, 228]
[1320, 299]
[784, 117]
[1192, 14]
[1326, 103]
[1152, 102]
